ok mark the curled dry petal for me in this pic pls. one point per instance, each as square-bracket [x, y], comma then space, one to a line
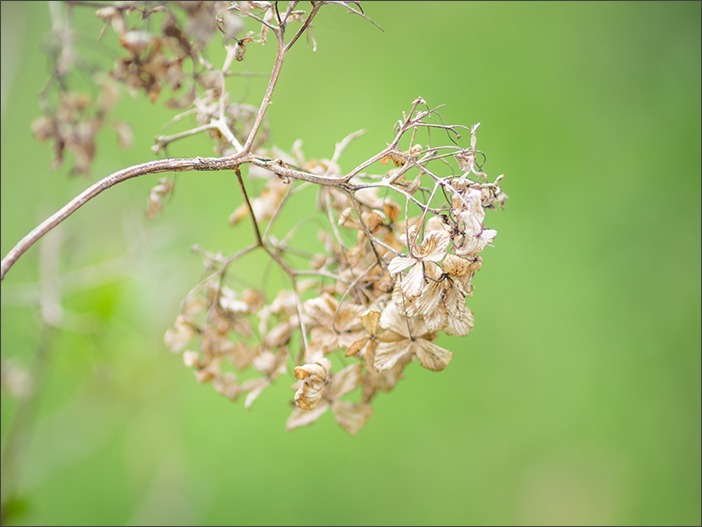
[473, 245]
[469, 223]
[314, 379]
[487, 236]
[369, 354]
[333, 326]
[470, 200]
[317, 372]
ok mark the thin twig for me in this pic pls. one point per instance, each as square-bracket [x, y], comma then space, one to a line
[280, 56]
[164, 140]
[254, 221]
[340, 147]
[304, 26]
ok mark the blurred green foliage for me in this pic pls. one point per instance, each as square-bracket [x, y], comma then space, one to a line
[576, 399]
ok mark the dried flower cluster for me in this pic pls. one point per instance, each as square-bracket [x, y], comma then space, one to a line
[398, 255]
[161, 45]
[400, 235]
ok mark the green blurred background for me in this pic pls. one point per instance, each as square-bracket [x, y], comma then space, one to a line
[576, 399]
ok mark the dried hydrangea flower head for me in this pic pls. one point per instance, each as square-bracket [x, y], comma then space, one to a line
[398, 252]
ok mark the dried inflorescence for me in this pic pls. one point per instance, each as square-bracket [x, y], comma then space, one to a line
[399, 252]
[400, 236]
[160, 47]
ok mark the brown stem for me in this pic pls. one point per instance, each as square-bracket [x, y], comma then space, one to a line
[151, 167]
[163, 140]
[277, 167]
[304, 26]
[280, 56]
[257, 231]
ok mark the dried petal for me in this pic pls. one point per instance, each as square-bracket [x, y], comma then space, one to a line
[351, 416]
[191, 359]
[428, 302]
[125, 136]
[392, 319]
[301, 417]
[392, 210]
[413, 283]
[369, 321]
[456, 267]
[156, 195]
[433, 248]
[314, 377]
[460, 318]
[431, 356]
[265, 205]
[345, 381]
[465, 160]
[387, 354]
[399, 264]
[226, 384]
[255, 388]
[177, 337]
[356, 346]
